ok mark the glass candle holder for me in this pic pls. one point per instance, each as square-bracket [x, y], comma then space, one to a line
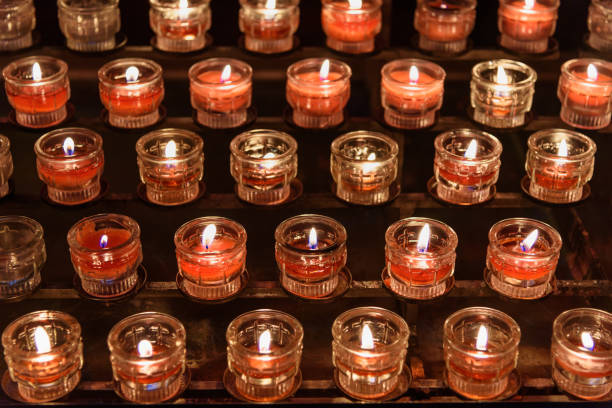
[6, 165]
[269, 25]
[22, 255]
[369, 351]
[585, 92]
[44, 354]
[600, 25]
[466, 165]
[38, 89]
[131, 89]
[17, 21]
[411, 92]
[351, 26]
[70, 162]
[171, 164]
[480, 351]
[522, 257]
[581, 352]
[221, 90]
[106, 252]
[147, 354]
[364, 167]
[89, 25]
[420, 257]
[559, 164]
[444, 25]
[211, 256]
[310, 252]
[264, 349]
[263, 163]
[180, 25]
[526, 25]
[502, 92]
[318, 90]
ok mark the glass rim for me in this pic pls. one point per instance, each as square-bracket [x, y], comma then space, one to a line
[280, 4]
[197, 148]
[566, 70]
[59, 75]
[280, 238]
[94, 136]
[385, 72]
[374, 5]
[391, 243]
[127, 222]
[554, 235]
[559, 336]
[469, 7]
[364, 134]
[5, 144]
[36, 227]
[156, 75]
[174, 5]
[344, 69]
[479, 134]
[532, 143]
[532, 76]
[179, 235]
[17, 5]
[232, 62]
[244, 136]
[112, 4]
[549, 7]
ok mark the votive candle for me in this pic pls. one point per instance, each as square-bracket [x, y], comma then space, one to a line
[600, 29]
[17, 21]
[351, 26]
[269, 25]
[527, 25]
[89, 25]
[6, 165]
[444, 25]
[180, 25]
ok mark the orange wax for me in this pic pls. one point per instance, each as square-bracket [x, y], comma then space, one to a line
[268, 29]
[70, 178]
[534, 272]
[481, 369]
[419, 273]
[149, 379]
[212, 268]
[527, 24]
[52, 376]
[456, 174]
[345, 26]
[120, 102]
[227, 97]
[39, 99]
[171, 176]
[439, 30]
[556, 177]
[584, 95]
[180, 30]
[311, 272]
[318, 101]
[416, 99]
[261, 179]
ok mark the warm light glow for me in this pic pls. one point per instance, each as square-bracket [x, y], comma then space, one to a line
[413, 75]
[270, 4]
[183, 12]
[41, 340]
[531, 239]
[36, 72]
[208, 236]
[324, 72]
[226, 74]
[562, 151]
[263, 343]
[313, 241]
[355, 4]
[132, 74]
[103, 241]
[183, 4]
[68, 146]
[587, 341]
[529, 4]
[501, 77]
[472, 149]
[482, 339]
[592, 73]
[423, 241]
[269, 155]
[170, 150]
[372, 156]
[145, 348]
[367, 339]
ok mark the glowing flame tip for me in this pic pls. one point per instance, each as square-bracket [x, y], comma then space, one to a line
[208, 236]
[226, 74]
[324, 71]
[562, 150]
[68, 146]
[103, 241]
[131, 74]
[413, 74]
[145, 348]
[472, 149]
[355, 4]
[482, 339]
[423, 240]
[529, 4]
[41, 340]
[592, 73]
[313, 241]
[372, 156]
[264, 341]
[270, 4]
[170, 150]
[367, 339]
[530, 240]
[183, 4]
[501, 77]
[36, 72]
[587, 341]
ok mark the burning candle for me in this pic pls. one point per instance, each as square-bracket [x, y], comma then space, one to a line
[420, 257]
[70, 162]
[131, 89]
[526, 25]
[263, 163]
[364, 167]
[18, 21]
[310, 252]
[480, 351]
[221, 90]
[411, 92]
[466, 165]
[171, 165]
[38, 89]
[180, 25]
[502, 92]
[351, 25]
[522, 257]
[269, 25]
[318, 90]
[444, 25]
[559, 164]
[147, 354]
[89, 25]
[22, 256]
[585, 92]
[369, 351]
[106, 252]
[44, 353]
[6, 165]
[581, 353]
[264, 349]
[600, 30]
[211, 256]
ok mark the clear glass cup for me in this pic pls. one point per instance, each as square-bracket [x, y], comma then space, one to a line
[444, 26]
[89, 25]
[180, 25]
[527, 29]
[6, 165]
[17, 21]
[269, 30]
[351, 30]
[600, 25]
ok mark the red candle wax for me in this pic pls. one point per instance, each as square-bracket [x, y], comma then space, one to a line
[267, 29]
[458, 173]
[341, 24]
[535, 271]
[481, 369]
[587, 371]
[311, 271]
[525, 24]
[39, 99]
[438, 30]
[70, 178]
[125, 104]
[224, 98]
[159, 376]
[209, 268]
[417, 98]
[584, 95]
[421, 271]
[318, 101]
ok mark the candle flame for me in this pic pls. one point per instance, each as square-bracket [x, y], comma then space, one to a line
[562, 151]
[367, 339]
[443, 5]
[270, 4]
[502, 77]
[324, 72]
[103, 241]
[131, 74]
[226, 74]
[531, 239]
[313, 241]
[269, 155]
[208, 236]
[413, 75]
[36, 72]
[592, 73]
[423, 241]
[41, 340]
[587, 341]
[145, 348]
[183, 4]
[482, 339]
[472, 149]
[68, 146]
[264, 341]
[355, 4]
[170, 150]
[372, 156]
[529, 4]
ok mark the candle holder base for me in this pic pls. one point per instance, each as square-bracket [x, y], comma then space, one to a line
[143, 194]
[369, 198]
[285, 195]
[554, 196]
[512, 288]
[229, 382]
[306, 121]
[405, 292]
[499, 122]
[458, 199]
[17, 43]
[88, 193]
[599, 43]
[402, 121]
[17, 393]
[276, 46]
[179, 45]
[83, 45]
[588, 388]
[360, 47]
[110, 288]
[442, 47]
[168, 393]
[216, 120]
[212, 294]
[41, 120]
[141, 280]
[44, 194]
[524, 47]
[133, 122]
[469, 391]
[5, 189]
[162, 113]
[321, 292]
[172, 197]
[15, 291]
[401, 386]
[578, 120]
